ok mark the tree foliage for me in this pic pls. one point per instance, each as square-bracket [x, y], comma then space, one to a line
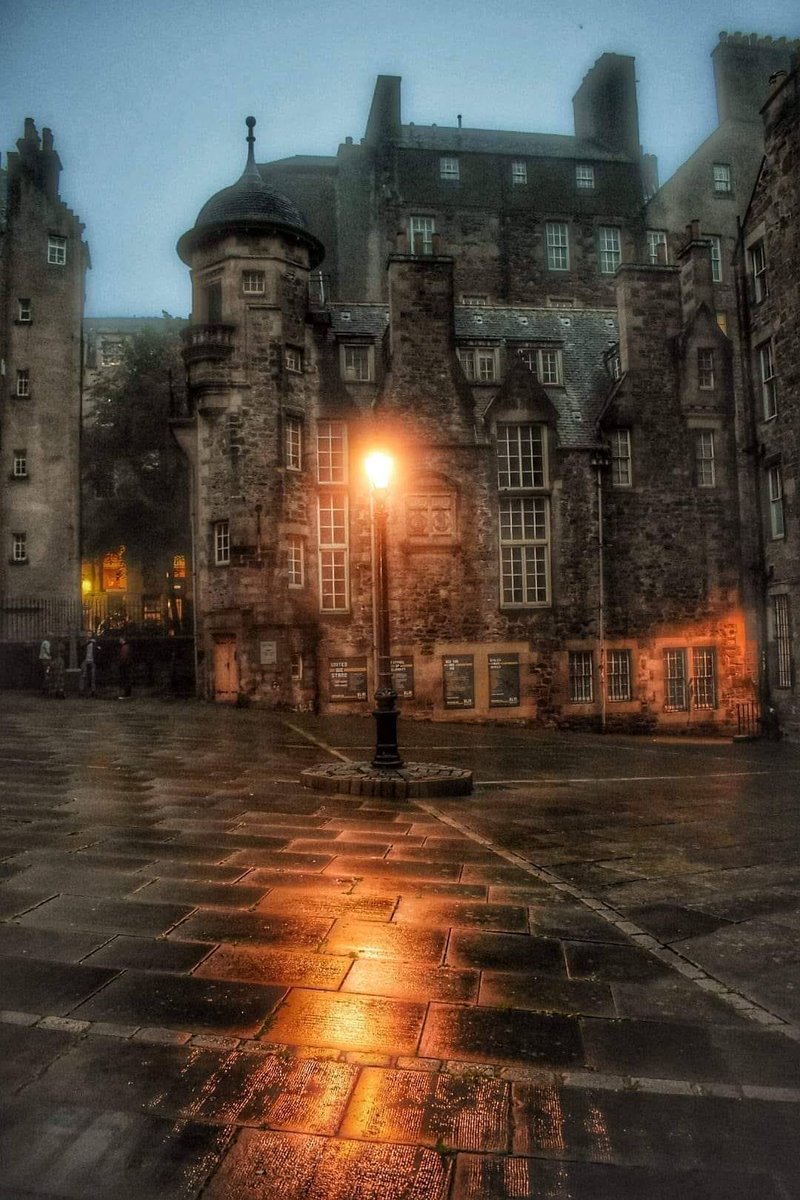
[135, 480]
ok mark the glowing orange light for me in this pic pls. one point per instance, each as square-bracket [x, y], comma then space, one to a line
[379, 467]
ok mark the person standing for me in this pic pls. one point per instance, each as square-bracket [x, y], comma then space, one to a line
[89, 667]
[45, 659]
[124, 666]
[57, 673]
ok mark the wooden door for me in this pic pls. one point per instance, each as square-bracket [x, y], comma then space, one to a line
[226, 670]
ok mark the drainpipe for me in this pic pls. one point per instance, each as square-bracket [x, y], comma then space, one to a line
[599, 462]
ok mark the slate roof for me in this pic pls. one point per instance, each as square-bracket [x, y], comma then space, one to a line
[500, 141]
[360, 320]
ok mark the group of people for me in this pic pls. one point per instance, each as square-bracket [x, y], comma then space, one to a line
[53, 668]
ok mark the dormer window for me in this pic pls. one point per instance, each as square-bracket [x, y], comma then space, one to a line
[479, 363]
[705, 370]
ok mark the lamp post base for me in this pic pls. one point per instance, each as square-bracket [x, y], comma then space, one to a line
[387, 754]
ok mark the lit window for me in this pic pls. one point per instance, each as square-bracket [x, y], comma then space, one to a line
[222, 543]
[610, 249]
[420, 230]
[295, 561]
[766, 372]
[479, 363]
[23, 383]
[253, 283]
[704, 459]
[356, 363]
[151, 609]
[20, 464]
[179, 566]
[621, 474]
[704, 665]
[783, 639]
[333, 544]
[449, 169]
[775, 484]
[619, 674]
[584, 175]
[676, 692]
[758, 270]
[521, 457]
[557, 238]
[24, 310]
[56, 250]
[716, 259]
[656, 246]
[519, 172]
[19, 547]
[581, 677]
[294, 360]
[475, 301]
[705, 369]
[331, 452]
[115, 571]
[722, 321]
[293, 443]
[721, 173]
[524, 551]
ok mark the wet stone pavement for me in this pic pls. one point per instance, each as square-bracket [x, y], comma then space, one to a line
[580, 983]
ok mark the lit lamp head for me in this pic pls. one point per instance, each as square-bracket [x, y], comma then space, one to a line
[379, 467]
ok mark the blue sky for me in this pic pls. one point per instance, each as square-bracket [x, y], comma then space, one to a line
[147, 98]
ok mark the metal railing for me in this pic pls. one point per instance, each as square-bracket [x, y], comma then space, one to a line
[748, 719]
[30, 618]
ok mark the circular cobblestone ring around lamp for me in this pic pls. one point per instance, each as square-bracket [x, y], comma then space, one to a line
[408, 782]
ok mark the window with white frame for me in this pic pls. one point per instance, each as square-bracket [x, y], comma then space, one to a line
[524, 551]
[610, 248]
[656, 247]
[547, 362]
[475, 300]
[705, 463]
[557, 241]
[331, 452]
[618, 675]
[293, 443]
[23, 383]
[519, 172]
[758, 271]
[775, 485]
[295, 561]
[584, 175]
[333, 552]
[704, 676]
[294, 360]
[356, 363]
[24, 310]
[716, 258]
[253, 283]
[449, 169]
[56, 250]
[19, 547]
[581, 676]
[783, 639]
[766, 374]
[721, 175]
[19, 464]
[420, 235]
[621, 473]
[521, 457]
[705, 369]
[676, 691]
[222, 543]
[480, 363]
[297, 668]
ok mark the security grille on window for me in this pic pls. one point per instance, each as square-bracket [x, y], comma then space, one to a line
[618, 663]
[19, 547]
[722, 177]
[421, 230]
[333, 545]
[656, 246]
[704, 664]
[557, 239]
[758, 270]
[56, 250]
[610, 249]
[23, 383]
[253, 283]
[24, 311]
[519, 172]
[294, 360]
[20, 464]
[222, 543]
[716, 259]
[521, 457]
[479, 363]
[766, 370]
[449, 169]
[704, 459]
[676, 693]
[705, 369]
[295, 561]
[331, 452]
[357, 363]
[293, 443]
[581, 677]
[783, 639]
[524, 546]
[584, 175]
[775, 485]
[621, 474]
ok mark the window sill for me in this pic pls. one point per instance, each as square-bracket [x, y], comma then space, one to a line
[18, 562]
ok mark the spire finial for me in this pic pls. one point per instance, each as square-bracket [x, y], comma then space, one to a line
[250, 167]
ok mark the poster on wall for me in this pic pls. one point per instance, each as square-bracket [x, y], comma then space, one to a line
[503, 680]
[403, 677]
[268, 653]
[458, 676]
[347, 678]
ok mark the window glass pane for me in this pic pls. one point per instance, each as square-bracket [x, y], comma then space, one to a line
[520, 456]
[557, 236]
[610, 249]
[705, 676]
[581, 689]
[332, 452]
[675, 691]
[619, 674]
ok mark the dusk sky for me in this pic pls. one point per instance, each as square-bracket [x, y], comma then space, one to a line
[147, 98]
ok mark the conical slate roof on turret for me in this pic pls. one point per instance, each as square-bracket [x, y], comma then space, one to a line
[249, 204]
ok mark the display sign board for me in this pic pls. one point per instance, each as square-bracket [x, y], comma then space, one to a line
[347, 678]
[269, 654]
[503, 680]
[458, 677]
[403, 677]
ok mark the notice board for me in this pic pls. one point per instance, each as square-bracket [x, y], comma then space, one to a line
[503, 680]
[347, 678]
[458, 678]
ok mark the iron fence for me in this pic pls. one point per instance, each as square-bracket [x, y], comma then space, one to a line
[30, 618]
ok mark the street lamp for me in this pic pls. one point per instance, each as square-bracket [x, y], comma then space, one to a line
[379, 468]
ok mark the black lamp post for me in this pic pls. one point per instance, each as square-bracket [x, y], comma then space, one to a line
[379, 469]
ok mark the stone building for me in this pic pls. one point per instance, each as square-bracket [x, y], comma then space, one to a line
[43, 260]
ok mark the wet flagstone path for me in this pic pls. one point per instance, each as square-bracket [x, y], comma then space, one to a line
[214, 984]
